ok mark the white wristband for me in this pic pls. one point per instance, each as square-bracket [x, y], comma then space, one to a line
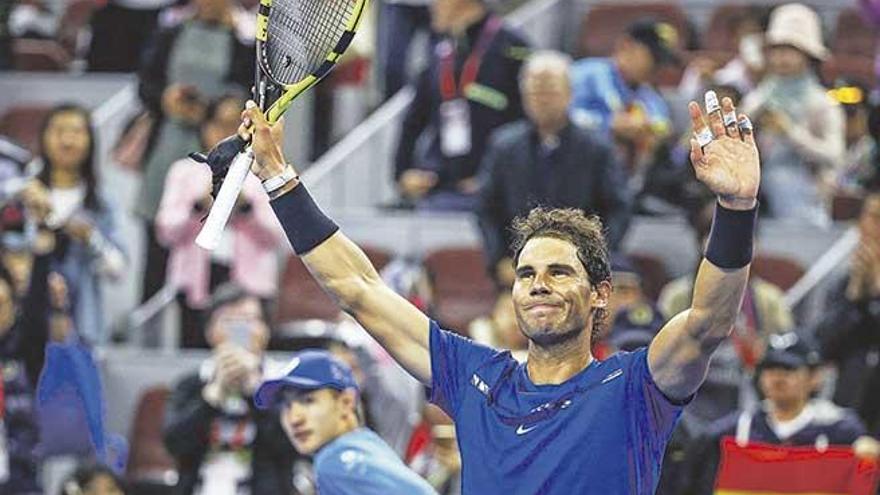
[272, 184]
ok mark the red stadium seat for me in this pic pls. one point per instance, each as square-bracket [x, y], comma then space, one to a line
[604, 23]
[22, 124]
[301, 298]
[853, 35]
[857, 67]
[149, 462]
[653, 272]
[462, 289]
[846, 206]
[39, 55]
[781, 271]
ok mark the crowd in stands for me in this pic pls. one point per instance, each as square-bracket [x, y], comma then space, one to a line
[495, 127]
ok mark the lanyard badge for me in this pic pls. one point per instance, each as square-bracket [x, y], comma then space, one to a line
[455, 119]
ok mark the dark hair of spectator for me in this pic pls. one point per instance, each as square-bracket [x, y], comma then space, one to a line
[87, 169]
[83, 475]
[231, 293]
[572, 225]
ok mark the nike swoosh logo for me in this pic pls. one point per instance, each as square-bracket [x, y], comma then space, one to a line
[522, 430]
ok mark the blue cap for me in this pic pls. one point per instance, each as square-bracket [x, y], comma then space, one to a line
[635, 326]
[308, 370]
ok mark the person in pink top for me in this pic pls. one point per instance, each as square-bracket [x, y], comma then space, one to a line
[248, 253]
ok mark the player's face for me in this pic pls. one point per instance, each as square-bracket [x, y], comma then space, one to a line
[786, 61]
[311, 418]
[552, 294]
[785, 387]
[67, 140]
[546, 95]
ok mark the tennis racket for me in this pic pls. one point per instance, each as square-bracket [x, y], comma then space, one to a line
[298, 42]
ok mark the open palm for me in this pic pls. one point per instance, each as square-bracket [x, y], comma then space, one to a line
[729, 165]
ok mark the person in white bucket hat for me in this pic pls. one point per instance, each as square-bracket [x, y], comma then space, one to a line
[802, 127]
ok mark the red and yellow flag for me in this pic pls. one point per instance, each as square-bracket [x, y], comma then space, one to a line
[764, 469]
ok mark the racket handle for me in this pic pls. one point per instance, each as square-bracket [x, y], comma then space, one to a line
[209, 236]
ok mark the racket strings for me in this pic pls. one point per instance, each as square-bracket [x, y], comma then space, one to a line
[302, 33]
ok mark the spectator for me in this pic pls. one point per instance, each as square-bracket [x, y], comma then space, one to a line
[546, 160]
[88, 247]
[628, 289]
[614, 96]
[499, 329]
[763, 313]
[187, 66]
[18, 429]
[247, 254]
[847, 332]
[788, 416]
[93, 479]
[322, 415]
[468, 90]
[860, 160]
[802, 128]
[220, 441]
[741, 73]
[121, 30]
[400, 21]
[434, 452]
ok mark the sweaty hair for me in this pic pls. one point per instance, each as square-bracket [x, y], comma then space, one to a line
[572, 225]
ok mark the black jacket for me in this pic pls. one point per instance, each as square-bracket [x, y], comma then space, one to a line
[188, 423]
[153, 73]
[848, 334]
[580, 173]
[498, 71]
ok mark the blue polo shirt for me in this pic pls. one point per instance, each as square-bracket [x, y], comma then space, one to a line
[603, 431]
[361, 463]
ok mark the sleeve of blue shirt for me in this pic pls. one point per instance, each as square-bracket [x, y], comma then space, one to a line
[654, 414]
[362, 474]
[453, 360]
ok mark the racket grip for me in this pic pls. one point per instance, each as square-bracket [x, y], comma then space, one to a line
[212, 230]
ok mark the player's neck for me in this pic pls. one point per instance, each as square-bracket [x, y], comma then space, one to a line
[556, 364]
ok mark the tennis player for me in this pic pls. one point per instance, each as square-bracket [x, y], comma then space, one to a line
[562, 422]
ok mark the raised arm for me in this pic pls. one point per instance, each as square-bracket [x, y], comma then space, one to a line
[726, 160]
[341, 268]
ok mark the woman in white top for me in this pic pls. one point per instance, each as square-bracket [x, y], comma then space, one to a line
[87, 244]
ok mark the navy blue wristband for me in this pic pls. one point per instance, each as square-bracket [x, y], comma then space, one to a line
[304, 223]
[732, 237]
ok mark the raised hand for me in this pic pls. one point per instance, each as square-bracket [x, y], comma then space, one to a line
[724, 154]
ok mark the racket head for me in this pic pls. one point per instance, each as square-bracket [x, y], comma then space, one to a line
[300, 41]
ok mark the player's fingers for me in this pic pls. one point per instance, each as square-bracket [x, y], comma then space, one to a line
[746, 129]
[702, 133]
[278, 129]
[696, 152]
[728, 117]
[713, 113]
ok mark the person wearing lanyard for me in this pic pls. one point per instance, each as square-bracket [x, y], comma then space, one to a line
[470, 90]
[541, 160]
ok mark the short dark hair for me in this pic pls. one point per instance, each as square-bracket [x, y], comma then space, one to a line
[231, 293]
[574, 226]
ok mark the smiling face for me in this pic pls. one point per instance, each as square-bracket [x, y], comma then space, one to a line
[67, 140]
[311, 418]
[552, 294]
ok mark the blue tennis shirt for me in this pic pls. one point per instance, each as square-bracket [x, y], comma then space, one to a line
[603, 431]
